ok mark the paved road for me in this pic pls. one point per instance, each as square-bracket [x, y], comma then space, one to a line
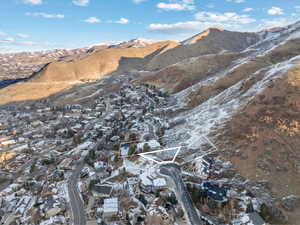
[77, 205]
[172, 172]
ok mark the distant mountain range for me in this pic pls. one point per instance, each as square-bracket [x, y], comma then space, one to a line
[23, 64]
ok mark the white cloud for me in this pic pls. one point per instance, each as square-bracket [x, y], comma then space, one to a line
[248, 10]
[20, 35]
[176, 5]
[13, 45]
[2, 34]
[7, 40]
[173, 6]
[123, 21]
[275, 11]
[26, 43]
[278, 22]
[180, 27]
[81, 2]
[92, 20]
[97, 20]
[46, 15]
[236, 1]
[12, 41]
[229, 17]
[188, 27]
[203, 21]
[33, 2]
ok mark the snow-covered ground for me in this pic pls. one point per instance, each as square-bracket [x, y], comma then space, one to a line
[212, 114]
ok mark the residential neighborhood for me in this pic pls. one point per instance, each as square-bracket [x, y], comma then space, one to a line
[98, 164]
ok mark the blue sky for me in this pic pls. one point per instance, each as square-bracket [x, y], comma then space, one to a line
[29, 25]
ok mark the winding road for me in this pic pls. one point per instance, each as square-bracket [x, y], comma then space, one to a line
[77, 205]
[172, 173]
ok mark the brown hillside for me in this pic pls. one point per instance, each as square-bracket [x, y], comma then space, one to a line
[59, 76]
[209, 42]
[31, 91]
[96, 65]
[188, 72]
[279, 54]
[267, 132]
[197, 37]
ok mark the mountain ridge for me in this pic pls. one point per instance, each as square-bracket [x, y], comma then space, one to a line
[152, 59]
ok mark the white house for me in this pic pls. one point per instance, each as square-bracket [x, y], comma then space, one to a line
[110, 207]
[153, 144]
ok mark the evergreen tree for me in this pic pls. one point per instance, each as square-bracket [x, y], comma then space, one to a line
[131, 150]
[146, 147]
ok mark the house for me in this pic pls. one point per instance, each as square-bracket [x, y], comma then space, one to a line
[156, 214]
[102, 190]
[53, 212]
[84, 172]
[101, 169]
[53, 206]
[54, 220]
[100, 166]
[37, 123]
[110, 207]
[21, 148]
[8, 142]
[207, 161]
[152, 144]
[131, 185]
[66, 164]
[159, 184]
[124, 149]
[146, 182]
[214, 192]
[57, 175]
[150, 183]
[203, 166]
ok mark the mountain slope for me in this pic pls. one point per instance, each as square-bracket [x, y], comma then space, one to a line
[23, 64]
[62, 75]
[251, 111]
[211, 41]
[96, 65]
[268, 133]
[184, 74]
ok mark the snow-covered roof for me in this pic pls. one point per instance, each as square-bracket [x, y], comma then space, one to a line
[152, 144]
[111, 205]
[159, 182]
[124, 150]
